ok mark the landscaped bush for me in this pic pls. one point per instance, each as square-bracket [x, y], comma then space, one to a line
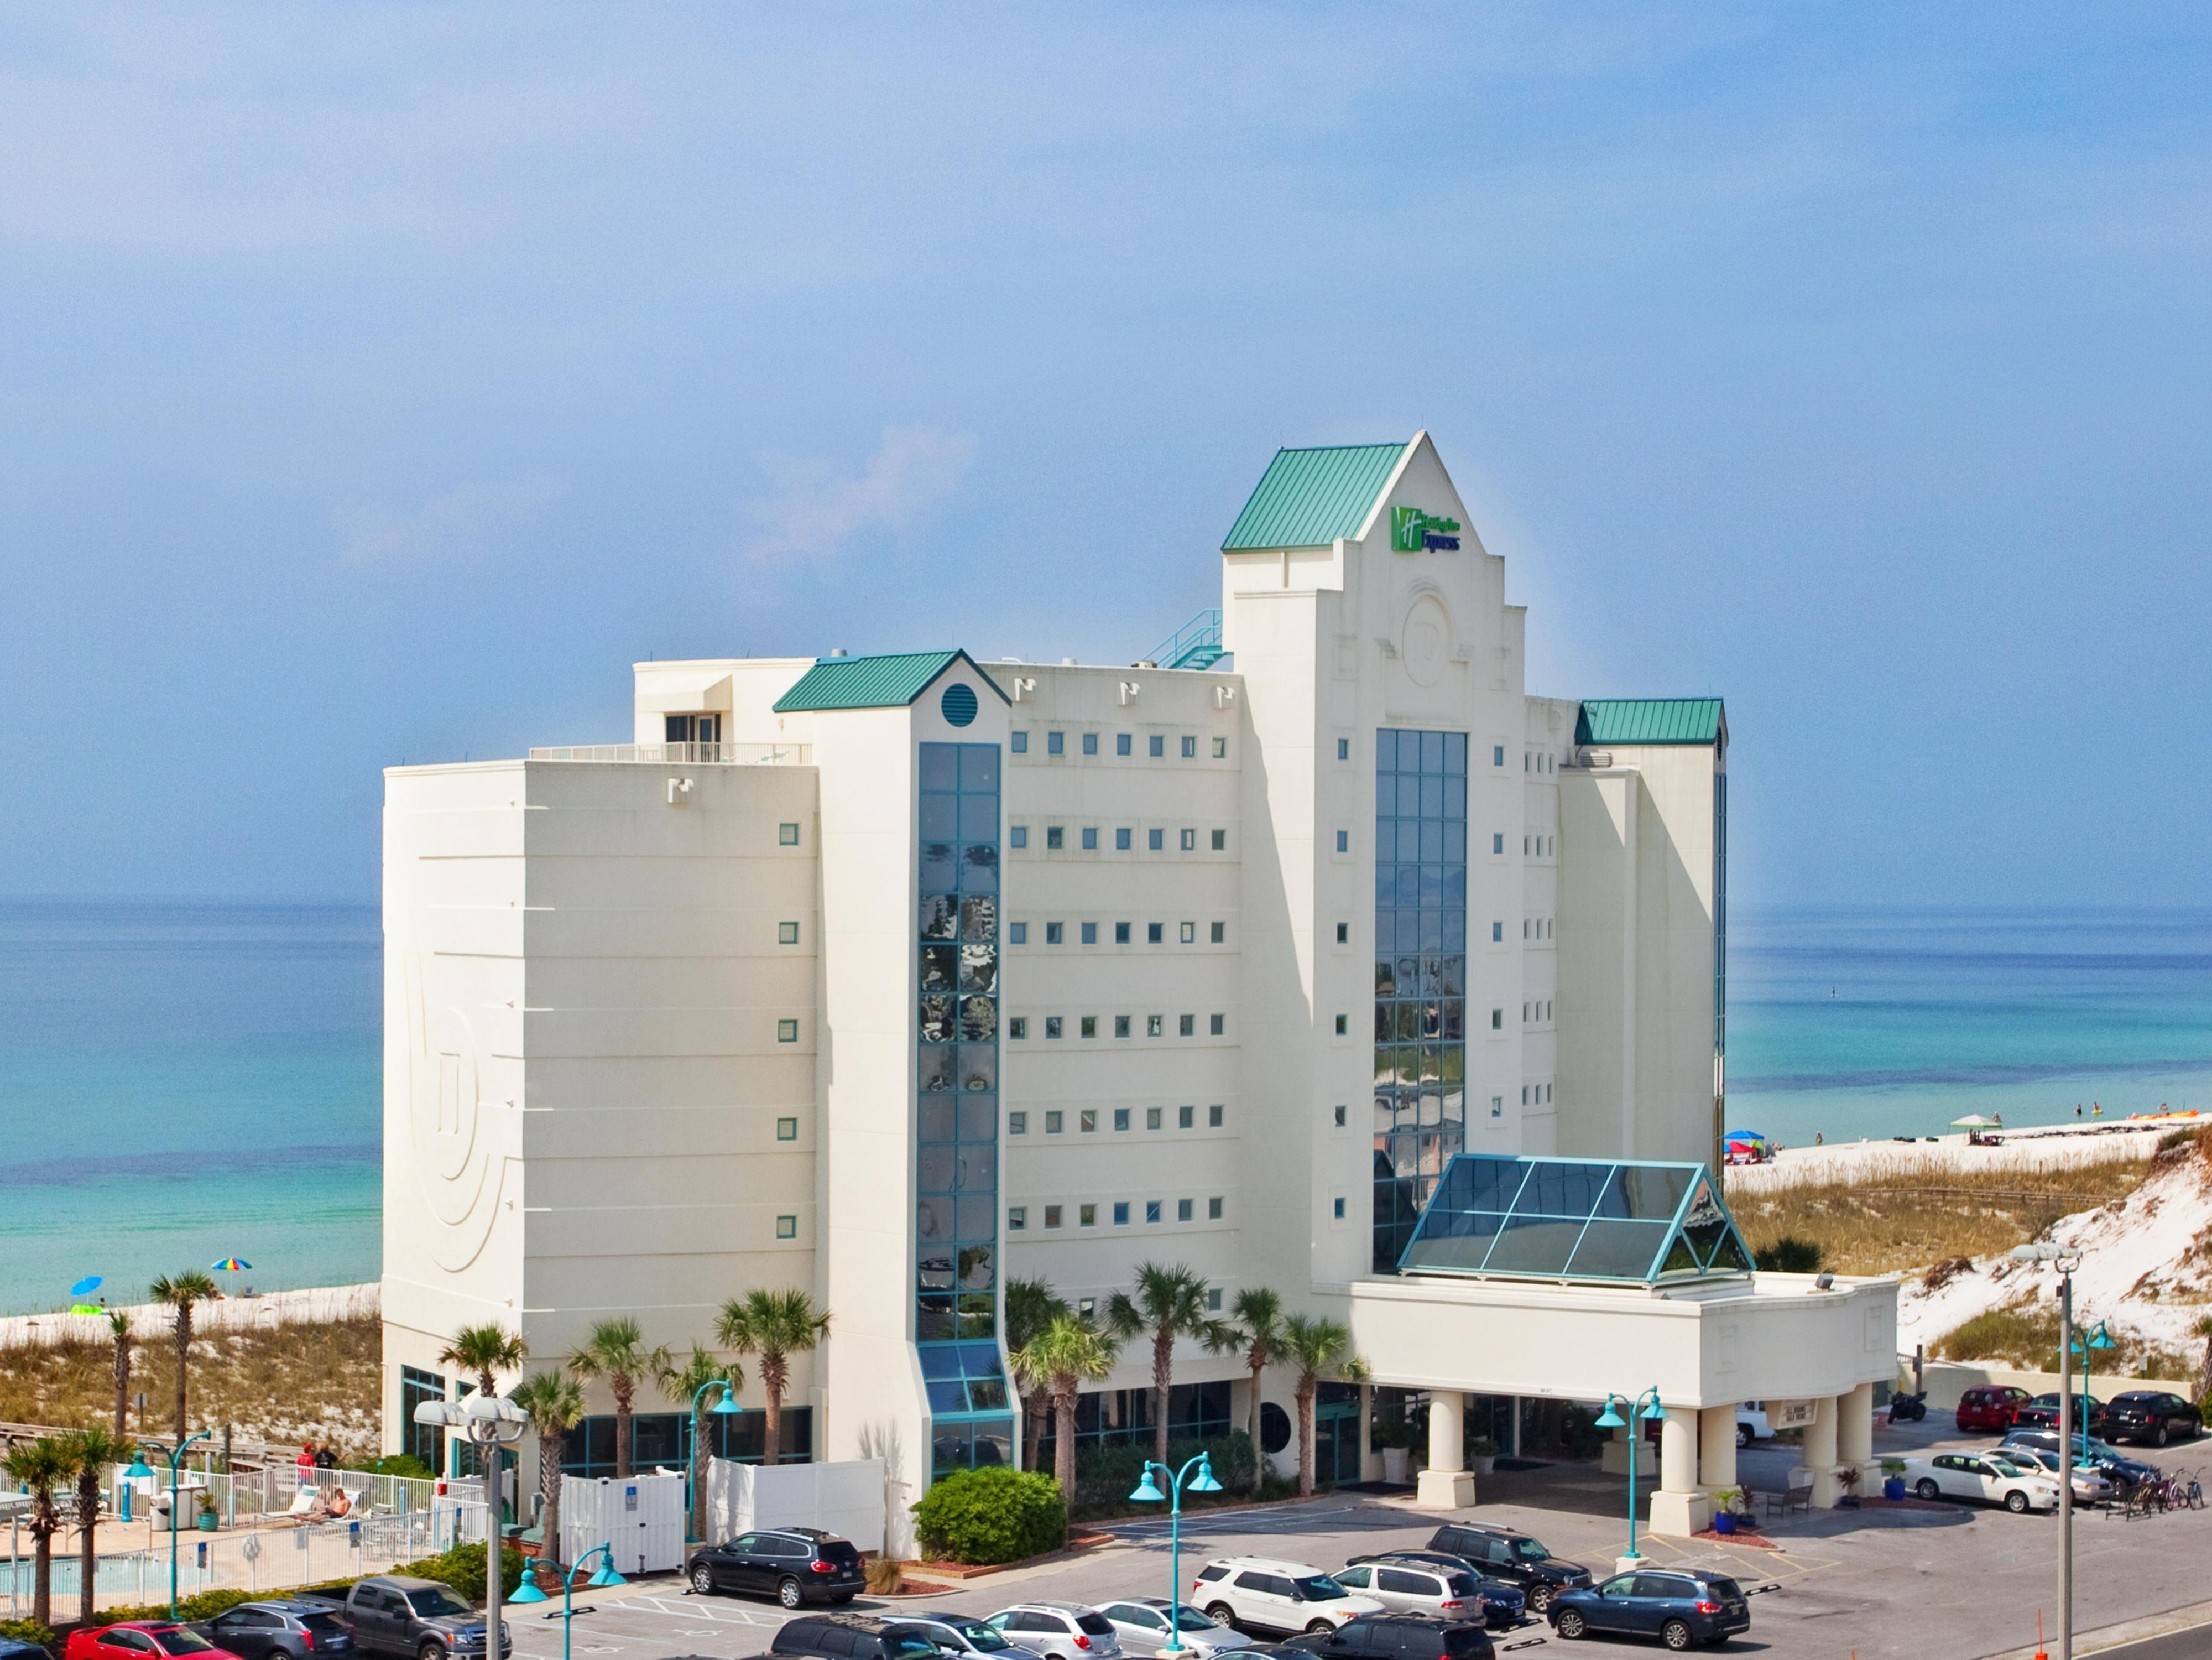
[30, 1631]
[200, 1605]
[400, 1463]
[463, 1568]
[990, 1515]
[1106, 1476]
[1787, 1255]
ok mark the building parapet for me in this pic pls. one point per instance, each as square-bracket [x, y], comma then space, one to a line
[727, 754]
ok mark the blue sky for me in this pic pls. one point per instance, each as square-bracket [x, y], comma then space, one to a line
[378, 381]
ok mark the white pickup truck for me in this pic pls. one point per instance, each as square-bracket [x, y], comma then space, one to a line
[1751, 1423]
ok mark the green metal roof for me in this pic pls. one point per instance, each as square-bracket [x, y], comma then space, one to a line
[1650, 720]
[1308, 498]
[873, 683]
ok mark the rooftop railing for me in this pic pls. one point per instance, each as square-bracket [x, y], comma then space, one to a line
[661, 755]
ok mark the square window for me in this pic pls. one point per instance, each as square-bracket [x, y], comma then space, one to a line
[1155, 1025]
[787, 1227]
[786, 933]
[1497, 1106]
[787, 1032]
[1186, 1025]
[1086, 1216]
[1052, 1026]
[1188, 840]
[1053, 1121]
[1152, 1116]
[1344, 748]
[1120, 1212]
[1018, 933]
[1338, 1118]
[1054, 837]
[787, 836]
[1186, 1118]
[1220, 841]
[1190, 749]
[1152, 1206]
[1018, 1123]
[1217, 934]
[786, 1129]
[1343, 1025]
[1052, 934]
[1121, 1118]
[1018, 1027]
[1183, 1210]
[1343, 934]
[1121, 1025]
[1221, 749]
[1017, 1218]
[1497, 755]
[1336, 1209]
[1497, 933]
[1090, 1027]
[1213, 1293]
[1091, 838]
[1157, 746]
[1498, 1020]
[1019, 834]
[1089, 934]
[1122, 839]
[1086, 1306]
[1087, 1121]
[1021, 742]
[1055, 742]
[1215, 1024]
[1187, 932]
[1090, 743]
[1344, 841]
[1121, 743]
[1121, 933]
[1153, 932]
[1214, 1116]
[1213, 1215]
[1156, 841]
[1497, 843]
[1051, 1216]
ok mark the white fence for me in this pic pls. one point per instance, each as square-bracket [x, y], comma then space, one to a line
[248, 1498]
[843, 1498]
[152, 1323]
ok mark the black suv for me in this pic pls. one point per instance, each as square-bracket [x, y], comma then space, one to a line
[2042, 1413]
[853, 1637]
[2151, 1415]
[263, 1631]
[1395, 1636]
[795, 1566]
[1502, 1554]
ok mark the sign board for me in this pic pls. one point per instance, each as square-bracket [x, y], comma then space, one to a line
[251, 1547]
[1792, 1415]
[629, 1497]
[1412, 531]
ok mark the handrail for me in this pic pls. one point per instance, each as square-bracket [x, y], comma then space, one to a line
[739, 755]
[1198, 639]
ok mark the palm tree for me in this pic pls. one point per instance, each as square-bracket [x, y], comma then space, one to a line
[88, 1454]
[180, 1292]
[616, 1351]
[39, 1467]
[1318, 1348]
[1169, 1303]
[2203, 1328]
[485, 1350]
[1065, 1355]
[119, 1325]
[775, 1325]
[1258, 1316]
[683, 1385]
[555, 1403]
[1031, 1307]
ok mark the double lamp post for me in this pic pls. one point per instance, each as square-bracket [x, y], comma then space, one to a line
[493, 1424]
[1148, 1493]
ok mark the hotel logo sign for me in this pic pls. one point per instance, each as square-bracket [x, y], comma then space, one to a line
[1412, 531]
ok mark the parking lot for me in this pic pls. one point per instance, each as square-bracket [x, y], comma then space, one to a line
[1954, 1582]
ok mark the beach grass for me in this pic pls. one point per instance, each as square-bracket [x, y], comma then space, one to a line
[2026, 1335]
[316, 1381]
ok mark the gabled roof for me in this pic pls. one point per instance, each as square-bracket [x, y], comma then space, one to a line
[873, 683]
[1652, 720]
[1308, 498]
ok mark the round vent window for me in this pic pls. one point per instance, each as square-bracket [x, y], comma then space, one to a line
[959, 704]
[1274, 1427]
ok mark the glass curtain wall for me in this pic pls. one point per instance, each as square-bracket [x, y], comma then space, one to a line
[1420, 974]
[956, 1207]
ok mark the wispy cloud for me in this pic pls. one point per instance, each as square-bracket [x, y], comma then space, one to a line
[469, 519]
[913, 471]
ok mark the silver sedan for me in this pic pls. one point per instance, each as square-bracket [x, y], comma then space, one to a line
[1142, 1625]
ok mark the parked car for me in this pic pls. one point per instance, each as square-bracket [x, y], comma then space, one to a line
[2091, 1485]
[1504, 1604]
[11, 1649]
[1275, 1595]
[1678, 1606]
[1990, 1478]
[795, 1566]
[964, 1633]
[396, 1613]
[280, 1627]
[138, 1639]
[1751, 1423]
[1990, 1406]
[1397, 1637]
[1502, 1554]
[1417, 1588]
[1142, 1627]
[853, 1637]
[2042, 1413]
[2109, 1460]
[1060, 1631]
[2151, 1415]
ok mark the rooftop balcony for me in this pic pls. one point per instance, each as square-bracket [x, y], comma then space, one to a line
[662, 754]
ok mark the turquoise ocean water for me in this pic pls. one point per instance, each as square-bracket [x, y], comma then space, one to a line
[182, 1083]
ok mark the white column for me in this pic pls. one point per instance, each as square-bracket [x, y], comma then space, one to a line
[1678, 1508]
[1369, 1460]
[1855, 1436]
[1446, 1484]
[1821, 1453]
[1716, 1449]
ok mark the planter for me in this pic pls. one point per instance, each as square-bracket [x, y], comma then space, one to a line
[1723, 1523]
[1483, 1463]
[209, 1521]
[1394, 1460]
[1893, 1488]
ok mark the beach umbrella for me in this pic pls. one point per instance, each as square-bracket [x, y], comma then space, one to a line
[1753, 1136]
[1974, 1120]
[232, 1264]
[86, 1287]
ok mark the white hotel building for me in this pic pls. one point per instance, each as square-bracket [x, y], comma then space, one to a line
[893, 977]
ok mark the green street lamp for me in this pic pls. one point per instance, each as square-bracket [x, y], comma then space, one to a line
[138, 1468]
[1148, 1493]
[527, 1592]
[1619, 1412]
[2099, 1336]
[727, 1407]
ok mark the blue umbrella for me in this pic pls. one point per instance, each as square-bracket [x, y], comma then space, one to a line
[86, 1287]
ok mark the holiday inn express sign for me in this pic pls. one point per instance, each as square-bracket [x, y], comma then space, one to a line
[1412, 530]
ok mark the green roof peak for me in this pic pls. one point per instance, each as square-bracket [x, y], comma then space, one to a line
[1309, 498]
[873, 683]
[1652, 720]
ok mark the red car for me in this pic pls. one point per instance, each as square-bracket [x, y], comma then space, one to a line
[142, 1639]
[1991, 1407]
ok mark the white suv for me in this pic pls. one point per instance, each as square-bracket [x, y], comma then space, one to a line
[1285, 1597]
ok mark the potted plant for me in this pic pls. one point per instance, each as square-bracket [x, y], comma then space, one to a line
[209, 1518]
[1482, 1454]
[1724, 1511]
[1395, 1439]
[1892, 1485]
[1847, 1478]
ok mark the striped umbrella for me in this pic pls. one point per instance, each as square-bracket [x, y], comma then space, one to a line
[232, 1264]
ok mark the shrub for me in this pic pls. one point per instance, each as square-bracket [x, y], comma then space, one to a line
[30, 1631]
[400, 1463]
[463, 1568]
[990, 1515]
[201, 1605]
[884, 1575]
[1787, 1255]
[1105, 1477]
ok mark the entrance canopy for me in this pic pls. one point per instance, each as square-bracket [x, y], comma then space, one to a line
[1593, 1221]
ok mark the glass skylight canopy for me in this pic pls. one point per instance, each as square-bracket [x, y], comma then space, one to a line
[1606, 1221]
